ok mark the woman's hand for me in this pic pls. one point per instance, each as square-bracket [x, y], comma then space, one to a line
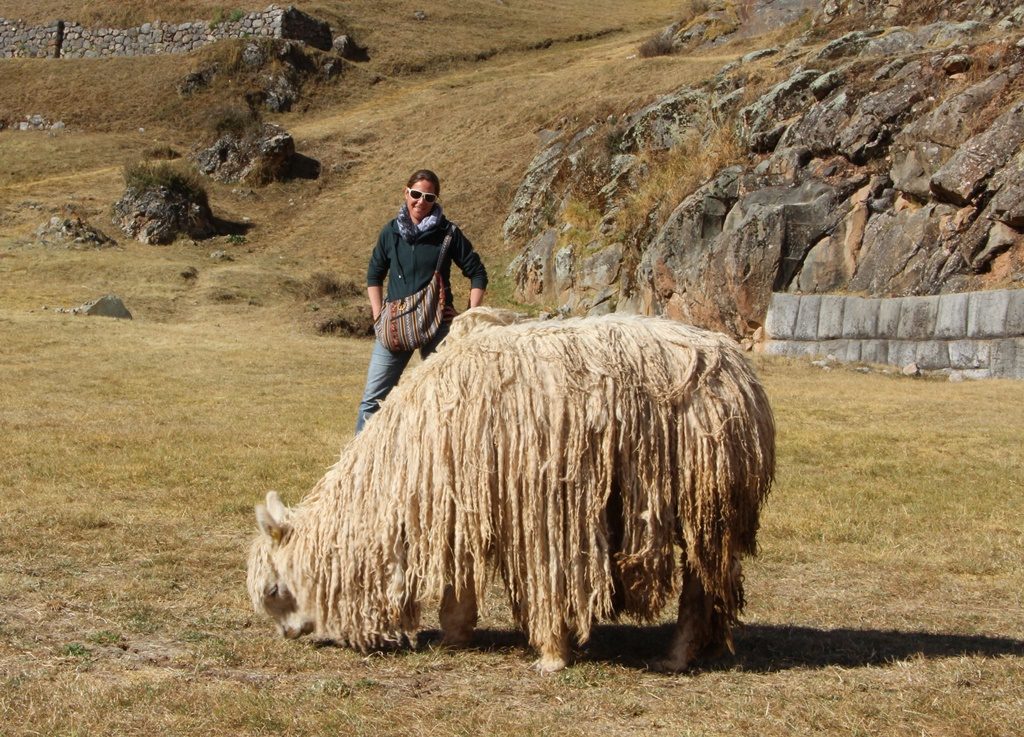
[376, 295]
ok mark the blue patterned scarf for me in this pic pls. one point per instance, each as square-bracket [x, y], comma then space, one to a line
[411, 231]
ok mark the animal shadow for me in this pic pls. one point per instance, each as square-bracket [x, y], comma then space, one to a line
[764, 648]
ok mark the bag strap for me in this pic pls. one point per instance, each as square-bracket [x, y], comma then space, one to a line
[444, 246]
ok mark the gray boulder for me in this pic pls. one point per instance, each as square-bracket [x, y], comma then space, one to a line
[532, 270]
[1007, 206]
[676, 253]
[534, 198]
[878, 116]
[280, 93]
[160, 214]
[107, 306]
[818, 128]
[347, 48]
[766, 120]
[258, 156]
[892, 42]
[596, 279]
[897, 249]
[927, 143]
[850, 44]
[664, 123]
[962, 179]
[71, 230]
[722, 253]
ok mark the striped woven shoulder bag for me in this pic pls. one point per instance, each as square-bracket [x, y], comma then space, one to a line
[412, 322]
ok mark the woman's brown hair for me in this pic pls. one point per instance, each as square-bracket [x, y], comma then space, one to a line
[425, 175]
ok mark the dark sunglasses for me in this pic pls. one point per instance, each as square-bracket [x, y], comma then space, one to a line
[416, 194]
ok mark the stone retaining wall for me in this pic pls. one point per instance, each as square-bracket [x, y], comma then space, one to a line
[16, 39]
[978, 333]
[73, 41]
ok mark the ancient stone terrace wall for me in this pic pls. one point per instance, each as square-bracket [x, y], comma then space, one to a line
[16, 39]
[73, 41]
[978, 333]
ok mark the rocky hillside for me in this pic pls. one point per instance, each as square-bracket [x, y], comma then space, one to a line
[860, 156]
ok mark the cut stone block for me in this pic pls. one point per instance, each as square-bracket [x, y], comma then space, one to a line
[790, 348]
[917, 318]
[860, 317]
[1008, 358]
[1015, 313]
[932, 355]
[902, 352]
[781, 320]
[951, 320]
[874, 351]
[969, 354]
[888, 318]
[837, 348]
[986, 314]
[830, 317]
[807, 318]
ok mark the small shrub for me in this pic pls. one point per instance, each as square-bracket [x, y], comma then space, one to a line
[677, 173]
[104, 637]
[163, 153]
[661, 44]
[143, 176]
[357, 324]
[75, 650]
[325, 284]
[583, 219]
[236, 239]
[222, 16]
[234, 121]
[614, 138]
[692, 8]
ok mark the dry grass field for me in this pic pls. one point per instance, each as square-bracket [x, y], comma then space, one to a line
[887, 599]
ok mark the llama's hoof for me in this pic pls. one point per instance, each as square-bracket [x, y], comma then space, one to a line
[456, 639]
[547, 665]
[670, 665]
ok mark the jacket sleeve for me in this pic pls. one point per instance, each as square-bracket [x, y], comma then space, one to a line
[469, 261]
[379, 262]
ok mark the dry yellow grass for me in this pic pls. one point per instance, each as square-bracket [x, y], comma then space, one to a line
[887, 599]
[676, 174]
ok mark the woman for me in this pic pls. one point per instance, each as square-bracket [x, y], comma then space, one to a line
[408, 248]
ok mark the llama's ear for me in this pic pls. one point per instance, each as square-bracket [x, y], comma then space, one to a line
[273, 518]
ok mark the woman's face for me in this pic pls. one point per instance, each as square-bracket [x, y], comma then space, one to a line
[419, 208]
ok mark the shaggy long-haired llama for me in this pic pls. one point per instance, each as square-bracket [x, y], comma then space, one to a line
[601, 466]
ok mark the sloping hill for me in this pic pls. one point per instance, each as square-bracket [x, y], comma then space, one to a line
[474, 120]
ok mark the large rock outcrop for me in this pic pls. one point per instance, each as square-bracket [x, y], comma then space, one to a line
[261, 154]
[883, 162]
[159, 214]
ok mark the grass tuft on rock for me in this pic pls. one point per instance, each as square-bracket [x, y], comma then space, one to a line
[143, 176]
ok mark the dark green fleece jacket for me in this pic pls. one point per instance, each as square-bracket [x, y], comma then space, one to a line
[410, 266]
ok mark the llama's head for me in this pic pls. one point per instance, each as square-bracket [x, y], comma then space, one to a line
[272, 583]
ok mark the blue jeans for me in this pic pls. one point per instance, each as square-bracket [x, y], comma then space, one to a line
[386, 367]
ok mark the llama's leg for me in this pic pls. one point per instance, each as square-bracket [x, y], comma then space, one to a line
[458, 615]
[693, 627]
[554, 651]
